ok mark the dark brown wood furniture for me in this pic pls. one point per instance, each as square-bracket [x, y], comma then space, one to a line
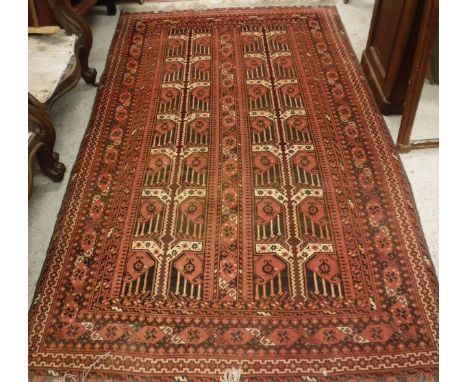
[390, 51]
[41, 133]
[395, 61]
[75, 24]
[41, 140]
[41, 16]
[111, 8]
[425, 43]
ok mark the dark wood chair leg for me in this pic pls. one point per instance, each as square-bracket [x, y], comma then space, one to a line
[34, 147]
[111, 8]
[88, 74]
[75, 24]
[49, 162]
[47, 158]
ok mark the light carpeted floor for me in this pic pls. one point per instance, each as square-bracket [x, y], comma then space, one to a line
[71, 115]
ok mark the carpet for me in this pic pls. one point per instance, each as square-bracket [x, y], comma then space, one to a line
[237, 207]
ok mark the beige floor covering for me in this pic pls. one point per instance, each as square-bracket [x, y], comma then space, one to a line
[71, 115]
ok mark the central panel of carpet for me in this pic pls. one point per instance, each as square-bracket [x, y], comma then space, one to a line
[231, 142]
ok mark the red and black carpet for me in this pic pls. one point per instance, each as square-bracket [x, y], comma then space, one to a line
[237, 203]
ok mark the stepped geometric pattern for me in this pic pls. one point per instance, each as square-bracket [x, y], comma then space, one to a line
[237, 202]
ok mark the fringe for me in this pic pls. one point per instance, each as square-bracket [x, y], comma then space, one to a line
[73, 377]
[231, 375]
[197, 5]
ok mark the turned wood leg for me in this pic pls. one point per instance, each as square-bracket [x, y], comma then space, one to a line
[111, 8]
[47, 158]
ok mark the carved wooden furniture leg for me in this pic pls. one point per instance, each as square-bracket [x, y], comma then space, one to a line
[47, 158]
[426, 38]
[75, 24]
[88, 74]
[34, 145]
[111, 8]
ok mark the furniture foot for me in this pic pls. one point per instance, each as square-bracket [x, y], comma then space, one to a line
[417, 144]
[50, 165]
[89, 75]
[47, 158]
[402, 148]
[111, 8]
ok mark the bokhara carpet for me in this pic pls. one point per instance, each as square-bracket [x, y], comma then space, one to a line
[237, 203]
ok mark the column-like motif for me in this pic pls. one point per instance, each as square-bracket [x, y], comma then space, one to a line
[292, 252]
[167, 254]
[290, 209]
